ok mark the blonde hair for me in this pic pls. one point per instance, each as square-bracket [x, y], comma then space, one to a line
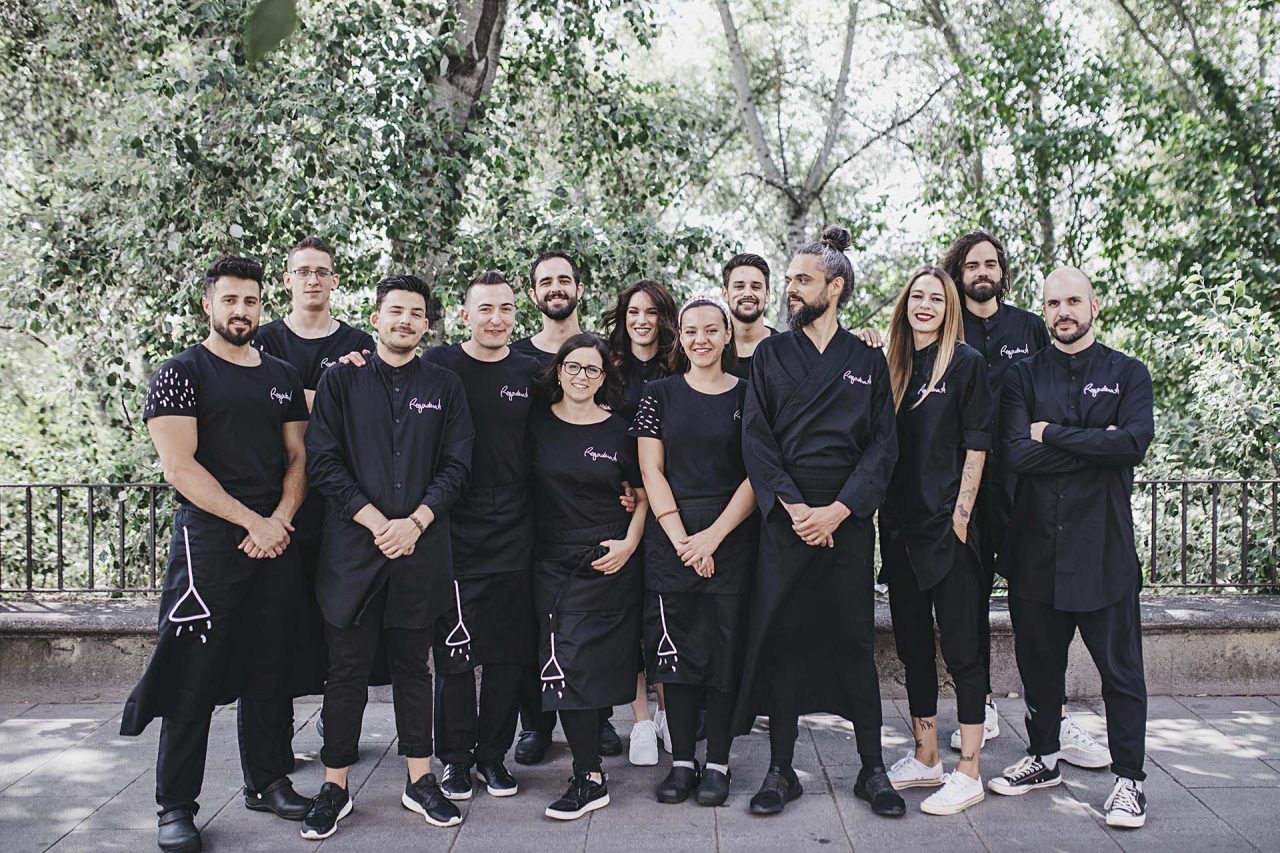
[902, 341]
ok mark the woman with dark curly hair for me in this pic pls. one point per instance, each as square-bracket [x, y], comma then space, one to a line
[642, 333]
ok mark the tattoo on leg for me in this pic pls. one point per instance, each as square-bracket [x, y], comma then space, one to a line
[964, 757]
[919, 744]
[926, 725]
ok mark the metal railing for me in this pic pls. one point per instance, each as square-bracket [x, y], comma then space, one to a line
[1217, 535]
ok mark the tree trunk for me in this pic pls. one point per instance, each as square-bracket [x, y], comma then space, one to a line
[1043, 193]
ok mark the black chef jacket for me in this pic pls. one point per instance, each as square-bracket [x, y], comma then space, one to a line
[1070, 540]
[827, 413]
[636, 374]
[396, 437]
[1003, 339]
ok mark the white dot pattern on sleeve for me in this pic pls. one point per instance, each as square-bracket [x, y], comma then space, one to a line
[170, 394]
[648, 423]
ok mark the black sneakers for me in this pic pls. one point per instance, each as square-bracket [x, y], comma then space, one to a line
[331, 805]
[1127, 805]
[426, 798]
[582, 796]
[780, 786]
[455, 782]
[497, 779]
[610, 743]
[874, 786]
[531, 747]
[177, 832]
[1027, 775]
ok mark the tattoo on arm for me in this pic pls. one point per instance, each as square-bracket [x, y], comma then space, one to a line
[969, 480]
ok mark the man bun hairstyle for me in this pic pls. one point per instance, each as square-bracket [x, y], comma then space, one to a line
[233, 266]
[311, 242]
[411, 283]
[953, 260]
[830, 250]
[746, 259]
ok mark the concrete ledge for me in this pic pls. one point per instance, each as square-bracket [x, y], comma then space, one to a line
[84, 650]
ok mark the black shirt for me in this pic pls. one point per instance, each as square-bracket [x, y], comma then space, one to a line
[310, 356]
[934, 438]
[1003, 339]
[701, 436]
[819, 416]
[239, 411]
[526, 347]
[1070, 540]
[743, 368]
[578, 471]
[636, 375]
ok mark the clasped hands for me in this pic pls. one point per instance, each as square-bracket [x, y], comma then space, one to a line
[816, 526]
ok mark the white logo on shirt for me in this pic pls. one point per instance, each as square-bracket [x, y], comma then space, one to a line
[596, 455]
[511, 394]
[924, 389]
[1094, 390]
[281, 397]
[856, 380]
[737, 416]
[325, 363]
[1010, 353]
[421, 407]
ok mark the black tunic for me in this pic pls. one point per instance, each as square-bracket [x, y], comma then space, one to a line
[636, 375]
[229, 626]
[1070, 540]
[690, 638]
[743, 368]
[492, 523]
[933, 440]
[818, 427]
[590, 621]
[396, 437]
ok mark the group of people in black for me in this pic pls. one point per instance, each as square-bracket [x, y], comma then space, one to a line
[686, 503]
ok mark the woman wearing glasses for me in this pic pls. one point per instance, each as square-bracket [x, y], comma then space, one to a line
[587, 575]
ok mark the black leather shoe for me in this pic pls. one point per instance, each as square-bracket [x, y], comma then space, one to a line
[279, 798]
[178, 833]
[713, 790]
[875, 788]
[679, 784]
[497, 779]
[531, 747]
[610, 743]
[780, 786]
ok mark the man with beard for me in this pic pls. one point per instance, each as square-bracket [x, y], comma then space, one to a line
[555, 288]
[1076, 419]
[492, 535]
[389, 447]
[746, 292]
[820, 442]
[228, 425]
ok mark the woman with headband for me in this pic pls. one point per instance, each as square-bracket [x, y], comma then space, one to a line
[699, 544]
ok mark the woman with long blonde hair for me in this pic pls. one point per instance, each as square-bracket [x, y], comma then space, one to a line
[928, 544]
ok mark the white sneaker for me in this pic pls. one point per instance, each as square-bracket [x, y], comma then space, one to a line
[910, 772]
[664, 732]
[990, 727]
[1077, 747]
[1127, 805]
[644, 744]
[957, 793]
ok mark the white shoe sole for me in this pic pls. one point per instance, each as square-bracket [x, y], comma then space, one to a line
[412, 806]
[643, 760]
[915, 783]
[457, 798]
[1078, 757]
[1127, 821]
[317, 836]
[952, 808]
[589, 807]
[1021, 789]
[502, 792]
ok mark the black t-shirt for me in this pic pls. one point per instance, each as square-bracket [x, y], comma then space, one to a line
[701, 436]
[742, 369]
[499, 395]
[636, 375]
[310, 356]
[578, 471]
[526, 347]
[239, 411]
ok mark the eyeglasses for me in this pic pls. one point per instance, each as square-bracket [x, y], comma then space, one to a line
[305, 273]
[573, 369]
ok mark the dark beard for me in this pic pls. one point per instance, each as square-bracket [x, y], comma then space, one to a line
[738, 314]
[971, 290]
[236, 339]
[1080, 331]
[798, 318]
[559, 313]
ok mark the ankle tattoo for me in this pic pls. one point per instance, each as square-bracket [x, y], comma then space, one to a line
[964, 757]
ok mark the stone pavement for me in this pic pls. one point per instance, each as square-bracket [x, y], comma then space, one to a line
[69, 782]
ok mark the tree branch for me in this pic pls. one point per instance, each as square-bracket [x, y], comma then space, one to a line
[747, 100]
[1192, 101]
[814, 179]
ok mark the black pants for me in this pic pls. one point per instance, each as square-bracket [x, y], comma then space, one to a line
[467, 731]
[1113, 636]
[582, 730]
[532, 717]
[684, 703]
[957, 601]
[265, 728]
[989, 519]
[351, 655]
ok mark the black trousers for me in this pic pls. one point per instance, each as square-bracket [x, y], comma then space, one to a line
[532, 717]
[957, 601]
[351, 656]
[582, 730]
[684, 703]
[989, 520]
[265, 729]
[469, 731]
[1113, 636]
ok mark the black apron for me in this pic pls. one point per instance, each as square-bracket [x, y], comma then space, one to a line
[694, 626]
[230, 627]
[590, 622]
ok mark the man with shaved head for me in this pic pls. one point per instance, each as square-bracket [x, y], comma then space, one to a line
[1076, 419]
